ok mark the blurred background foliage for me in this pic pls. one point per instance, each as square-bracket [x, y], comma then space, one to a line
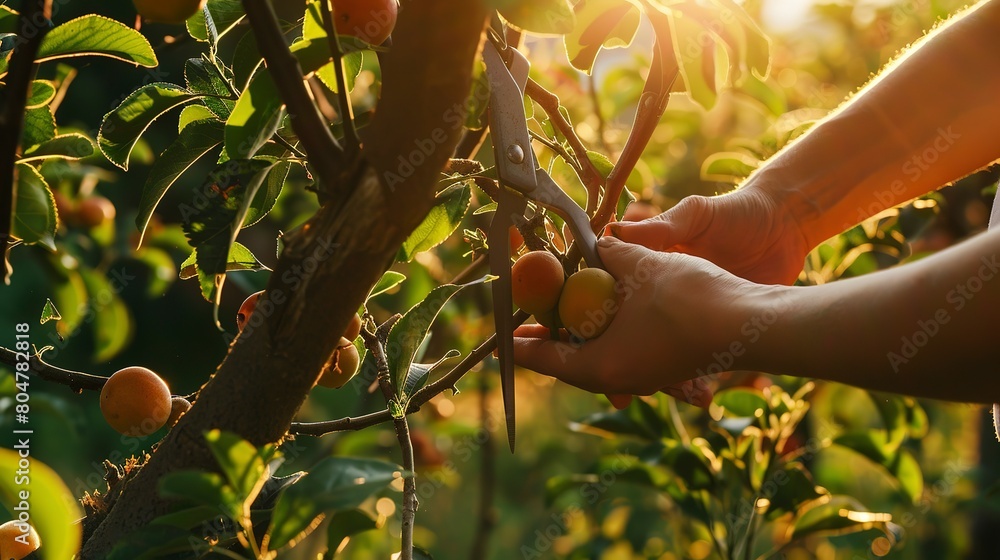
[555, 498]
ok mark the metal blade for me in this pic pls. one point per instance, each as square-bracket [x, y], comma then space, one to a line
[510, 209]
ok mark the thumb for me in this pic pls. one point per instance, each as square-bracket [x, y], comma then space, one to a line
[620, 258]
[676, 226]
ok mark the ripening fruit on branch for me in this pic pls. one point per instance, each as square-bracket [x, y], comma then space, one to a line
[247, 309]
[168, 11]
[353, 328]
[92, 212]
[15, 543]
[639, 211]
[588, 302]
[371, 21]
[536, 280]
[178, 406]
[135, 401]
[342, 365]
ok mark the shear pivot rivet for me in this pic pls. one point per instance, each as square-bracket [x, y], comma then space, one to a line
[515, 153]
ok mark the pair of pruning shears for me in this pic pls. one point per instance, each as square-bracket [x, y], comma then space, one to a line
[521, 180]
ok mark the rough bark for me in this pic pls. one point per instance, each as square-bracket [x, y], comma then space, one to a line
[329, 264]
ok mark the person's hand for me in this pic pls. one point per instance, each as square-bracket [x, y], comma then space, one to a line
[745, 232]
[678, 319]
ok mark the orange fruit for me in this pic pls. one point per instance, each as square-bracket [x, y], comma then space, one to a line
[536, 281]
[135, 401]
[15, 543]
[588, 302]
[178, 406]
[341, 367]
[371, 21]
[246, 310]
[93, 211]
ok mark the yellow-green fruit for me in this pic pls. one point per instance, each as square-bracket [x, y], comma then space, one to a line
[342, 365]
[168, 11]
[353, 328]
[588, 302]
[536, 280]
[135, 401]
[15, 544]
[178, 406]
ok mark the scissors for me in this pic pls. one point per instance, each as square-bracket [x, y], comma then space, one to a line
[521, 180]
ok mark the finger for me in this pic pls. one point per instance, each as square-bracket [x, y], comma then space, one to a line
[620, 258]
[677, 226]
[692, 391]
[572, 363]
[619, 401]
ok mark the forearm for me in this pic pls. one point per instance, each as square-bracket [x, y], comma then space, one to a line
[929, 119]
[928, 329]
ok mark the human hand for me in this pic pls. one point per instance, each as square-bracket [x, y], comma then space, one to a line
[676, 314]
[745, 232]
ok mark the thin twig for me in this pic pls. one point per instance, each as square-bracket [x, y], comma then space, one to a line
[418, 399]
[590, 176]
[32, 26]
[75, 380]
[487, 478]
[602, 127]
[327, 155]
[409, 512]
[559, 150]
[343, 95]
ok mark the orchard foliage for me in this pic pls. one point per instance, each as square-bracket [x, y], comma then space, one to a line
[206, 176]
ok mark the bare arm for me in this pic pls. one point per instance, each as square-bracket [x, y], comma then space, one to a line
[927, 328]
[930, 118]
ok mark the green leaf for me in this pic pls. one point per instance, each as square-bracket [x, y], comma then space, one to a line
[8, 20]
[42, 93]
[443, 219]
[538, 16]
[689, 467]
[750, 46]
[627, 197]
[893, 412]
[639, 420]
[334, 484]
[907, 472]
[246, 59]
[112, 322]
[728, 167]
[870, 443]
[213, 229]
[225, 15]
[255, 117]
[191, 144]
[202, 77]
[265, 198]
[54, 509]
[421, 554]
[748, 403]
[244, 466]
[417, 376]
[156, 541]
[695, 50]
[201, 488]
[39, 127]
[49, 312]
[100, 36]
[407, 334]
[65, 146]
[600, 24]
[390, 279]
[838, 515]
[240, 258]
[346, 524]
[189, 518]
[353, 63]
[123, 126]
[794, 487]
[192, 114]
[162, 270]
[34, 209]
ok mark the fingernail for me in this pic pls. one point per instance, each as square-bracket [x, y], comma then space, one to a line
[614, 229]
[607, 241]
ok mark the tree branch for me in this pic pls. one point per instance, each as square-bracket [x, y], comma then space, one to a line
[327, 156]
[32, 25]
[75, 380]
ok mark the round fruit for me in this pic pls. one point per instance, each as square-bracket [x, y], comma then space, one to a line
[639, 211]
[369, 20]
[168, 11]
[135, 401]
[15, 544]
[65, 207]
[94, 211]
[536, 280]
[516, 239]
[178, 406]
[247, 309]
[353, 328]
[547, 319]
[341, 366]
[588, 302]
